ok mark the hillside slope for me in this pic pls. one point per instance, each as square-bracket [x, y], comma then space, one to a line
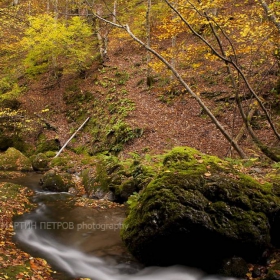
[167, 119]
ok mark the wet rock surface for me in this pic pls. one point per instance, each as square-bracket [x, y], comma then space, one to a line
[199, 211]
[57, 182]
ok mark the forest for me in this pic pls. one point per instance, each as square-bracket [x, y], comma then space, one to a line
[150, 104]
[223, 55]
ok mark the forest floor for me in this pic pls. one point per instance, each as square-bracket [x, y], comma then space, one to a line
[167, 118]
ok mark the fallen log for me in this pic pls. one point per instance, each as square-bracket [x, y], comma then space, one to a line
[73, 135]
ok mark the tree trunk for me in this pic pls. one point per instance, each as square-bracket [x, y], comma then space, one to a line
[173, 46]
[227, 60]
[115, 12]
[271, 16]
[264, 148]
[148, 42]
[102, 39]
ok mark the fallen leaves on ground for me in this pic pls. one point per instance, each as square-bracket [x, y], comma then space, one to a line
[92, 203]
[14, 263]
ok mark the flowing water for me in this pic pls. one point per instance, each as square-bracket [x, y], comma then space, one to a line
[84, 242]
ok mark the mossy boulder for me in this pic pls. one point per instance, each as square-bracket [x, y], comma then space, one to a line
[40, 162]
[57, 182]
[116, 179]
[138, 177]
[199, 211]
[93, 188]
[45, 145]
[14, 160]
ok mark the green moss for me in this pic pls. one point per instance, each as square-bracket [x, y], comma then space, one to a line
[14, 160]
[190, 160]
[44, 144]
[192, 194]
[108, 110]
[9, 191]
[40, 162]
[54, 181]
[274, 179]
[50, 154]
[64, 162]
[6, 84]
[81, 150]
[20, 144]
[13, 271]
[12, 138]
[123, 178]
[106, 167]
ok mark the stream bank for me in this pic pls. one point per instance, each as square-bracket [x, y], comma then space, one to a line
[66, 237]
[36, 231]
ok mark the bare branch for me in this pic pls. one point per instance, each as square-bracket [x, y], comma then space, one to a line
[73, 135]
[193, 94]
[181, 80]
[230, 61]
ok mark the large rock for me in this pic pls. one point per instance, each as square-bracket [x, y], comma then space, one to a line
[57, 182]
[199, 211]
[14, 160]
[40, 162]
[114, 179]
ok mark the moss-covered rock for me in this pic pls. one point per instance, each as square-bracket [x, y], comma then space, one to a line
[93, 188]
[57, 182]
[199, 211]
[40, 162]
[116, 179]
[45, 145]
[14, 160]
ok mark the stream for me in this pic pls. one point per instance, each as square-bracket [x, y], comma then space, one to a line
[84, 242]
